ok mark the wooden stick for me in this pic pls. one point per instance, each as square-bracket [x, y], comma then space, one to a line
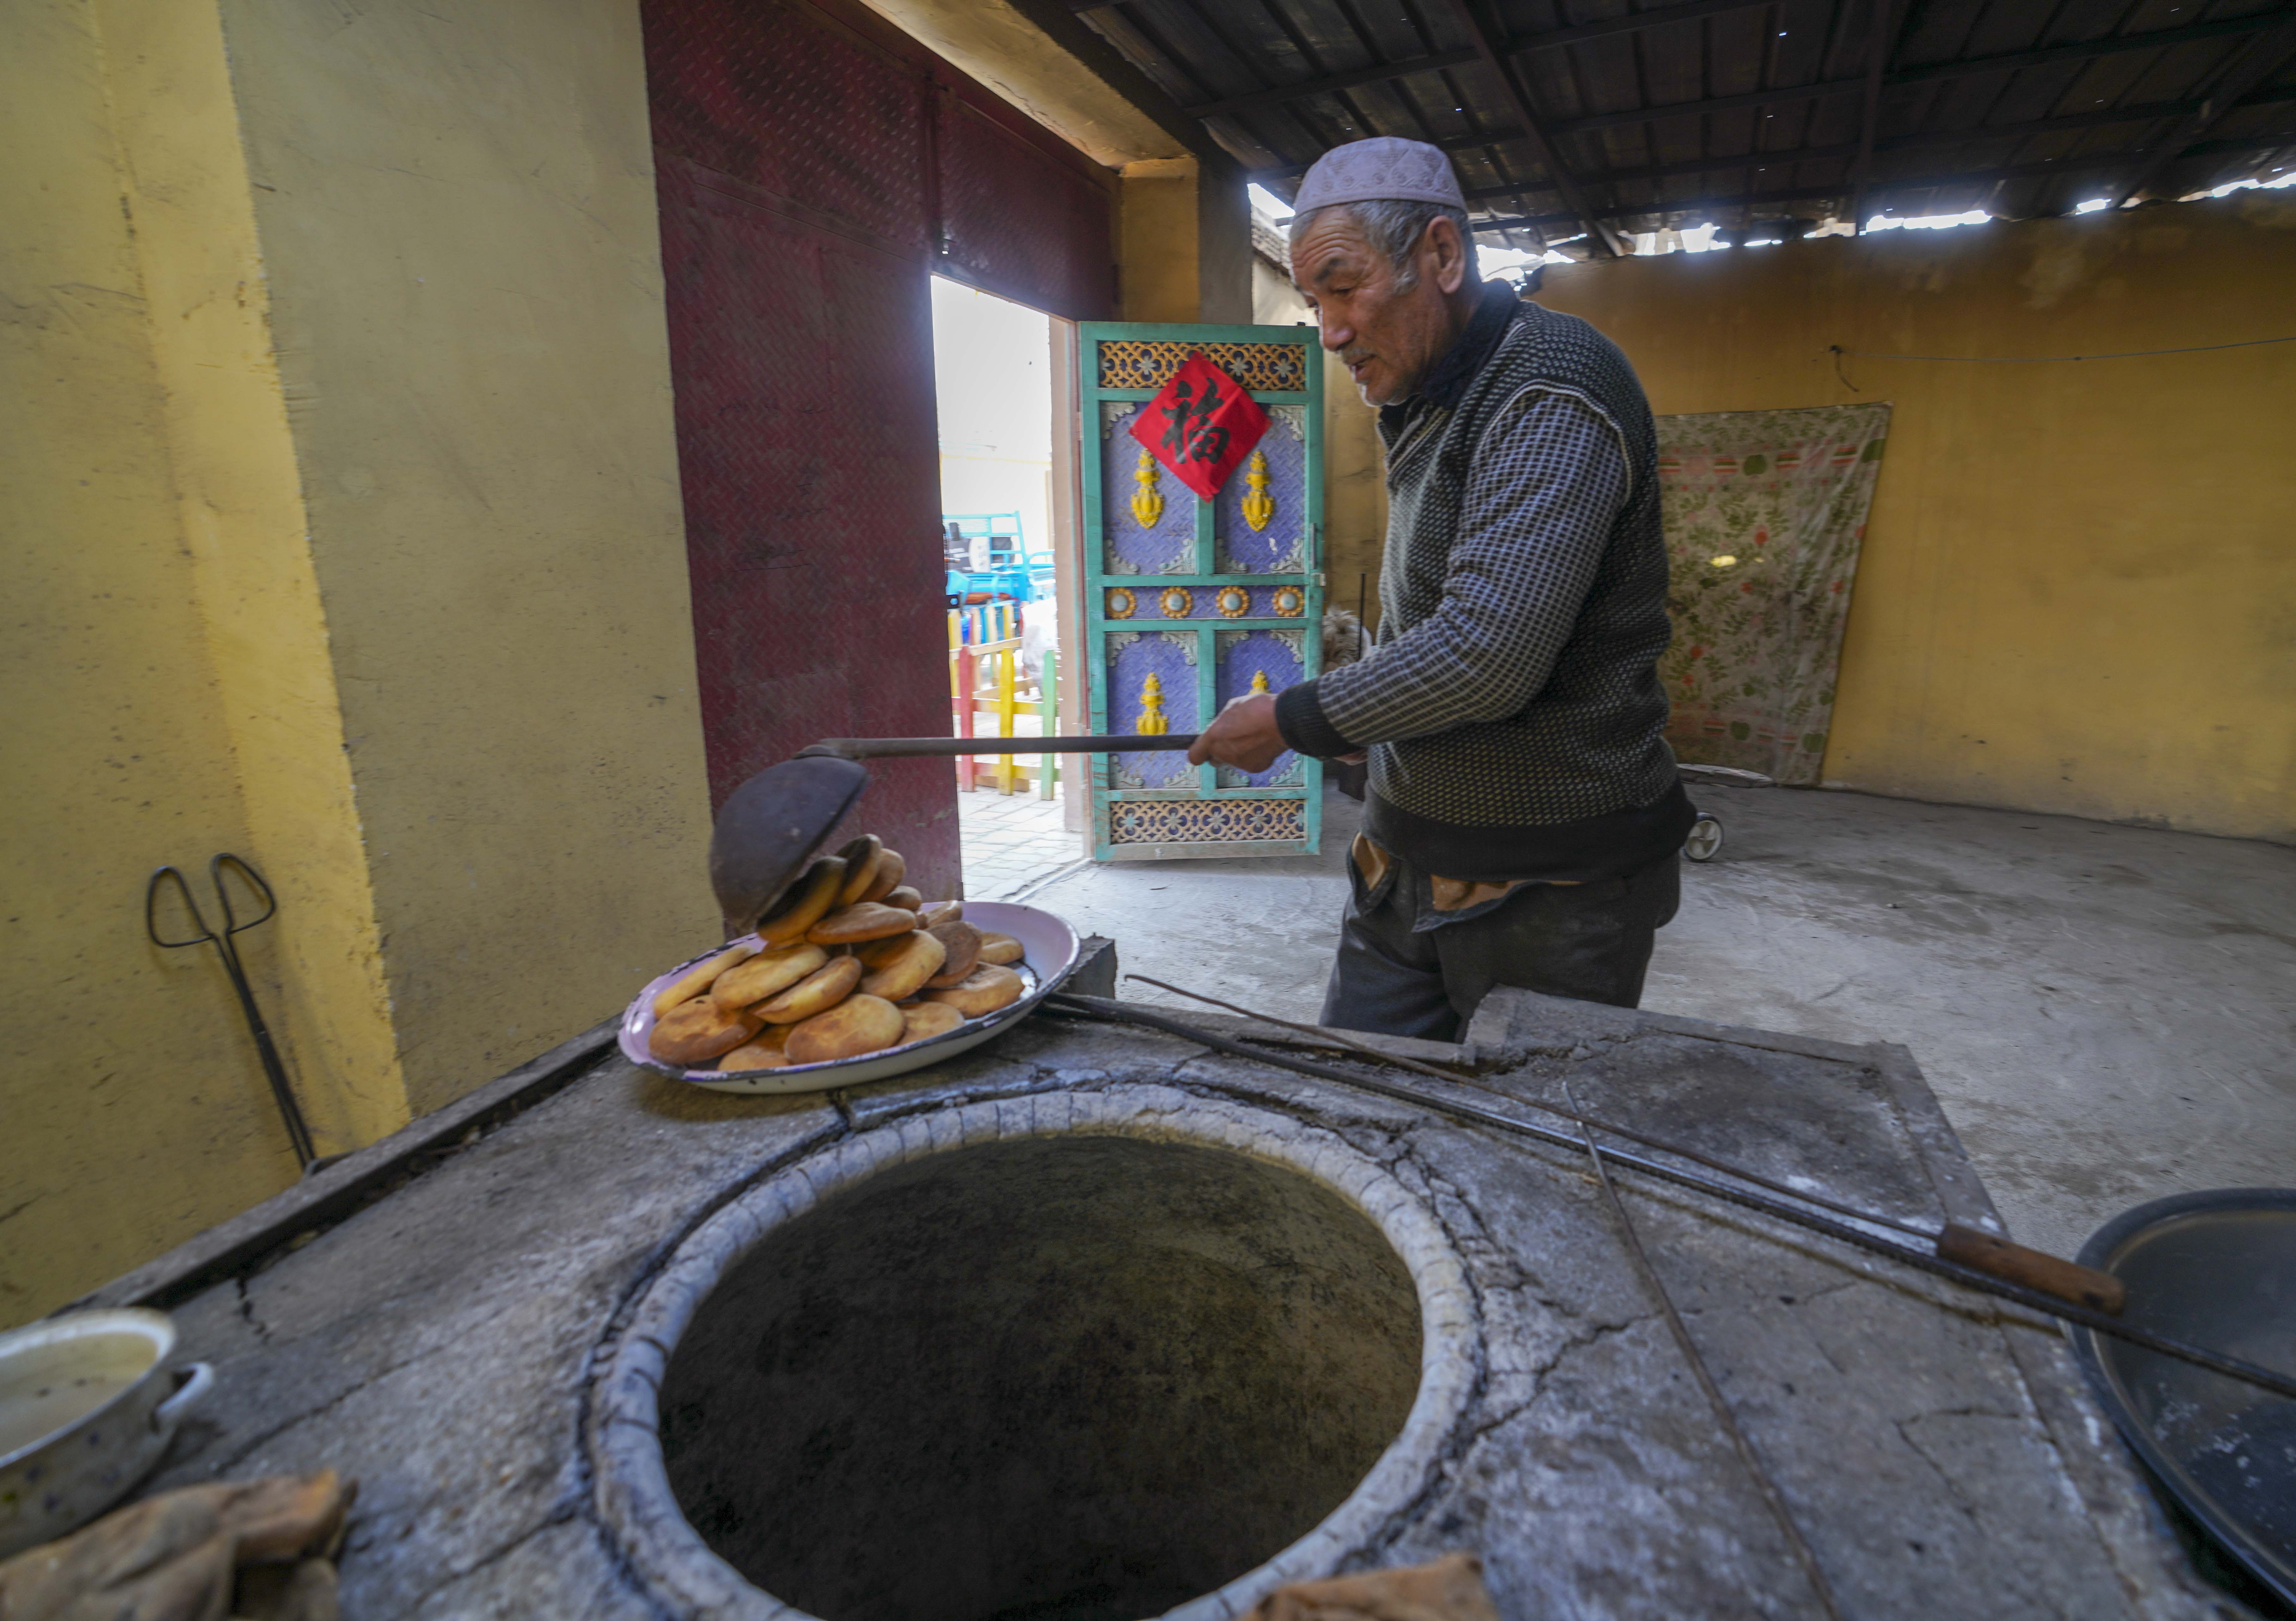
[2052, 1275]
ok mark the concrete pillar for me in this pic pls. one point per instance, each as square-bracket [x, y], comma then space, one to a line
[1184, 243]
[338, 439]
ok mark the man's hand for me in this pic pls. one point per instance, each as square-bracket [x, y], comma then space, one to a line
[1242, 735]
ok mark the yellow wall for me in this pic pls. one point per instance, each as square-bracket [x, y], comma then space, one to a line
[1009, 51]
[2079, 579]
[336, 447]
[1182, 243]
[457, 210]
[240, 497]
[132, 1112]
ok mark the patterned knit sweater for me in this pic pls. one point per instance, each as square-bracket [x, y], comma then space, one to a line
[1511, 704]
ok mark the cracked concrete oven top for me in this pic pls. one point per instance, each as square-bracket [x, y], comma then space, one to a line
[438, 1341]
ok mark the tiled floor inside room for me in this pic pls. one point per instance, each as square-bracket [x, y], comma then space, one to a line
[1012, 841]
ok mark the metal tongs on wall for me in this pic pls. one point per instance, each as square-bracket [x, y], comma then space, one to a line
[274, 1069]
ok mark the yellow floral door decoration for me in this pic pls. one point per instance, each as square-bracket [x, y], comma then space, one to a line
[1153, 722]
[1258, 505]
[1147, 505]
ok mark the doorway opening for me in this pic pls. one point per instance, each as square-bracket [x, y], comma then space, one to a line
[996, 372]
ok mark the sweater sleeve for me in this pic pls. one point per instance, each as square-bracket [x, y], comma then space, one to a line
[1545, 487]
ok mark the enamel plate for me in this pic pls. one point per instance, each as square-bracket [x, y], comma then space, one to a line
[1048, 949]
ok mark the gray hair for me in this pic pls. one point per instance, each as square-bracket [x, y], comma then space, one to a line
[1394, 227]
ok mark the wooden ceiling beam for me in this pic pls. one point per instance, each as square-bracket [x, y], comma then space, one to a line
[1786, 157]
[2255, 62]
[1879, 49]
[1784, 96]
[1542, 148]
[1966, 69]
[2262, 141]
[2256, 23]
[2103, 163]
[1634, 22]
[1378, 73]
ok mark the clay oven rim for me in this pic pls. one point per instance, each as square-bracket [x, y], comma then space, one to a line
[633, 1497]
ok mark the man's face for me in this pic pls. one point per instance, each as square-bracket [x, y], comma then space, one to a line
[1388, 339]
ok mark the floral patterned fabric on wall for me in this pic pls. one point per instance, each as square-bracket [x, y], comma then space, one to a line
[1765, 514]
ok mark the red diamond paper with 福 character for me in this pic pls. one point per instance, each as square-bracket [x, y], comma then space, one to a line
[1201, 425]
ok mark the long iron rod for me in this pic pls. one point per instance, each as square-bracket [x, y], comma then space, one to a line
[1772, 1498]
[2232, 1367]
[908, 747]
[275, 1070]
[1571, 1115]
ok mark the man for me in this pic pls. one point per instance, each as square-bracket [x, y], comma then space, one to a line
[1524, 821]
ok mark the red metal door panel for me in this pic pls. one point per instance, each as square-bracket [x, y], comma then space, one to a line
[807, 453]
[794, 144]
[779, 96]
[1019, 219]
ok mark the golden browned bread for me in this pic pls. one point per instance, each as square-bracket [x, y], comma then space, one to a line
[696, 979]
[860, 857]
[904, 972]
[876, 953]
[961, 943]
[866, 921]
[906, 897]
[943, 912]
[984, 990]
[924, 1021]
[697, 1031]
[856, 1025]
[758, 1054]
[808, 899]
[890, 869]
[767, 974]
[999, 948]
[817, 993]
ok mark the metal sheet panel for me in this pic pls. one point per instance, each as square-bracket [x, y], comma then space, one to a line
[809, 463]
[815, 166]
[791, 159]
[783, 98]
[1021, 216]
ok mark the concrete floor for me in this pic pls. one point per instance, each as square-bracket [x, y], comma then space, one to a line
[2104, 1011]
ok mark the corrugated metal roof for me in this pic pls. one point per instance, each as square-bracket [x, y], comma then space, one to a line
[1591, 118]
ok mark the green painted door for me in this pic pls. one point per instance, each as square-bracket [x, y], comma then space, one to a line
[1191, 602]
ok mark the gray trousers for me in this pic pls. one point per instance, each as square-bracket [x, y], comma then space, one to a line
[1404, 970]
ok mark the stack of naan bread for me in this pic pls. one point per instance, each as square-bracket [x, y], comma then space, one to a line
[854, 961]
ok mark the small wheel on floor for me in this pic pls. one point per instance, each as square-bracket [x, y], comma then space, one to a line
[1705, 840]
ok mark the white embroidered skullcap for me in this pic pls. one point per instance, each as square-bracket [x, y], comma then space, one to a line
[1385, 168]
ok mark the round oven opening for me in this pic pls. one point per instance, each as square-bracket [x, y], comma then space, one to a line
[1072, 1377]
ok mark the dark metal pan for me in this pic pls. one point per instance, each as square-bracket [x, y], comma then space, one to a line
[770, 826]
[2219, 1268]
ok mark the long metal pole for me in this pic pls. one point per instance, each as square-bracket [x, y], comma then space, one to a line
[1772, 1498]
[2231, 1367]
[910, 748]
[1571, 1114]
